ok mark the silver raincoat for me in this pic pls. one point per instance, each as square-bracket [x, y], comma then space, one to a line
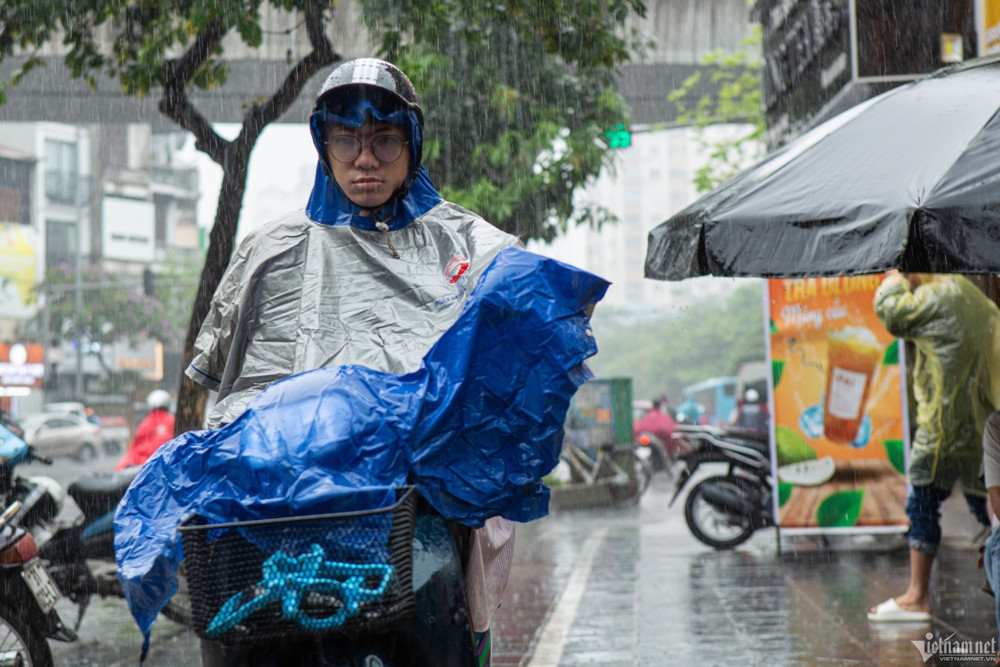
[300, 295]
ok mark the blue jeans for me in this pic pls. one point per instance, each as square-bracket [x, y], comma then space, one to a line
[991, 563]
[923, 507]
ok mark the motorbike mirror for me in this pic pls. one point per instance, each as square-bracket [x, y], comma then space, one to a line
[33, 455]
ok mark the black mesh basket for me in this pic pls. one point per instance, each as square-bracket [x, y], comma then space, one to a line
[288, 579]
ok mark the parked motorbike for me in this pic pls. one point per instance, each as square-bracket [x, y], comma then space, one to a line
[27, 607]
[81, 555]
[724, 510]
[652, 453]
[657, 455]
[409, 610]
[27, 614]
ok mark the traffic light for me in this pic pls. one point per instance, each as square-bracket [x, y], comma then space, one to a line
[147, 282]
[619, 137]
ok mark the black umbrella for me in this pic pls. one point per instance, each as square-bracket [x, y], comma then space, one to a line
[909, 180]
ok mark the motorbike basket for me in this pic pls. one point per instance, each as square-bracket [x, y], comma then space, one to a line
[340, 574]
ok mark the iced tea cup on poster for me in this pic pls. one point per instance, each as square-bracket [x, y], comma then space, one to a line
[854, 355]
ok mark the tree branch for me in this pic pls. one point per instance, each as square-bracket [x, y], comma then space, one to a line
[6, 41]
[204, 45]
[175, 103]
[322, 54]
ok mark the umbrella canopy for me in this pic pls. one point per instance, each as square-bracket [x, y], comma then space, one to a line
[909, 180]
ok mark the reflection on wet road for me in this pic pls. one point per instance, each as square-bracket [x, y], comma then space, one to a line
[656, 596]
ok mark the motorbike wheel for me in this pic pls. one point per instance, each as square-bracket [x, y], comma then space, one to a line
[178, 608]
[644, 468]
[713, 525]
[19, 640]
[659, 459]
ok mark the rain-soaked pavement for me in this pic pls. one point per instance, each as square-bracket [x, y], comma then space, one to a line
[630, 586]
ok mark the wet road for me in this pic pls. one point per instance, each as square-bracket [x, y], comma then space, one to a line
[630, 586]
[642, 591]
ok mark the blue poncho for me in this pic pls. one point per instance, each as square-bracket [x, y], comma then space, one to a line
[475, 429]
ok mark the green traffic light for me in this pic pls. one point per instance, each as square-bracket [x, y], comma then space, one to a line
[619, 137]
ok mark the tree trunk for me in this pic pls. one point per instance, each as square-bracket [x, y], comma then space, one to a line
[234, 157]
[191, 398]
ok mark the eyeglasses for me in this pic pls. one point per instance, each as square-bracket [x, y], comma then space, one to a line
[347, 148]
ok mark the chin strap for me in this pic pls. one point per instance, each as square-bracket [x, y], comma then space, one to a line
[383, 226]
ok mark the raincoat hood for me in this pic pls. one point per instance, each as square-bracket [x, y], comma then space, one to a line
[329, 205]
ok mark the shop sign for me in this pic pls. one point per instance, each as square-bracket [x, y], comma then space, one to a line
[22, 365]
[806, 58]
[839, 445]
[988, 26]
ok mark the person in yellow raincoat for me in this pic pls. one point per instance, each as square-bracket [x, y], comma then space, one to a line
[953, 327]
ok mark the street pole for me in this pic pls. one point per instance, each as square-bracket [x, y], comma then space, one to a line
[47, 340]
[78, 280]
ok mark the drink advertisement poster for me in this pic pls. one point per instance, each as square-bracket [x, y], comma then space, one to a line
[839, 444]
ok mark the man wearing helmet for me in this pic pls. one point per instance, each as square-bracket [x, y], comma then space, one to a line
[372, 272]
[154, 430]
[752, 412]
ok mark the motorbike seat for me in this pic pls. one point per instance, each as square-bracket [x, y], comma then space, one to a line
[748, 433]
[99, 494]
[757, 440]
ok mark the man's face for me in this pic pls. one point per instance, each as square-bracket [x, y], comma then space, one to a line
[366, 180]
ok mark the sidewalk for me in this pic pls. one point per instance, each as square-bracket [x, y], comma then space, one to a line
[632, 587]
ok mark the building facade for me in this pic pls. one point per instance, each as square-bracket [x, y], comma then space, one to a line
[824, 56]
[78, 196]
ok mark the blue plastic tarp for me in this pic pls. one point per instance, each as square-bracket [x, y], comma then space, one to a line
[475, 429]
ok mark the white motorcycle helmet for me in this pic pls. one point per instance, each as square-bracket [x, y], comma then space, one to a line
[158, 399]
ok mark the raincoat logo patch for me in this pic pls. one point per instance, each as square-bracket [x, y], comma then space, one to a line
[455, 268]
[462, 286]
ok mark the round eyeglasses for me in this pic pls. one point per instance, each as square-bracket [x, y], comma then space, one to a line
[347, 148]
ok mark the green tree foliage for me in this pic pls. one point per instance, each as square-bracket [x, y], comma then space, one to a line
[115, 308]
[517, 97]
[736, 100]
[112, 308]
[518, 94]
[663, 356]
